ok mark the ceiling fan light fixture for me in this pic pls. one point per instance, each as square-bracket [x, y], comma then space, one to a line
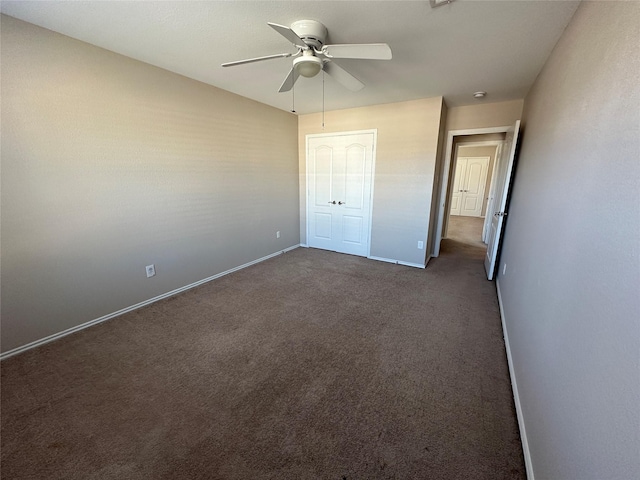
[479, 95]
[313, 56]
[307, 65]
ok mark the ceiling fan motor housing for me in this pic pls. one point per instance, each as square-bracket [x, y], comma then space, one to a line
[313, 33]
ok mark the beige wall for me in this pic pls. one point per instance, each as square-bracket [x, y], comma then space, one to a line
[483, 137]
[572, 252]
[109, 164]
[435, 192]
[404, 171]
[484, 115]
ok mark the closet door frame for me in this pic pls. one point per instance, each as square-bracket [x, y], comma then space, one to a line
[366, 252]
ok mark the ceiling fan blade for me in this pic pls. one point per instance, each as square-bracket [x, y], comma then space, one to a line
[257, 59]
[343, 77]
[289, 34]
[365, 51]
[289, 81]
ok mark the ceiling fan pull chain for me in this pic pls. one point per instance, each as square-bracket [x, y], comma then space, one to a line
[323, 99]
[293, 98]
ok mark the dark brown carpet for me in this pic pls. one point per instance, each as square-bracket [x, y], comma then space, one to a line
[311, 365]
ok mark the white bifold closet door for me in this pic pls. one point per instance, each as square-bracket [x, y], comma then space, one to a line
[339, 182]
[469, 181]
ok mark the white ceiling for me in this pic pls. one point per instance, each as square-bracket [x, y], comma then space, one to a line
[452, 50]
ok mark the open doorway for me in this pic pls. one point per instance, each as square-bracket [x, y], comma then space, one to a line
[469, 187]
[498, 192]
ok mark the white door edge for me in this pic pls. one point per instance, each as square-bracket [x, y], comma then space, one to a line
[492, 250]
[487, 219]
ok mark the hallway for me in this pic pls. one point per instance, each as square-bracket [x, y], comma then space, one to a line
[464, 246]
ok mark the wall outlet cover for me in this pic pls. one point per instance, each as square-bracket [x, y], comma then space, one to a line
[151, 270]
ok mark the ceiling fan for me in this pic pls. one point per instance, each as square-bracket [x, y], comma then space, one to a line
[309, 36]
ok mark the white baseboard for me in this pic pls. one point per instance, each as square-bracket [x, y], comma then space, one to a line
[397, 262]
[516, 397]
[144, 303]
[426, 262]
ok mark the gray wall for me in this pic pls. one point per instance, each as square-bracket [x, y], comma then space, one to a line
[109, 164]
[406, 155]
[571, 293]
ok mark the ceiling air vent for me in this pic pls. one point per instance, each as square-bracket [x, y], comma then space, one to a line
[439, 3]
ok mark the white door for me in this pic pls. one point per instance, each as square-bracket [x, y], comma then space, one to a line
[339, 180]
[457, 191]
[492, 193]
[474, 182]
[504, 167]
[469, 183]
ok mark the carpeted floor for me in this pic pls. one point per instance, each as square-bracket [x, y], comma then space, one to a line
[466, 231]
[311, 365]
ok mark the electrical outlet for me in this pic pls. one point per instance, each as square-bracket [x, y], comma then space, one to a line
[504, 269]
[420, 244]
[278, 234]
[151, 270]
